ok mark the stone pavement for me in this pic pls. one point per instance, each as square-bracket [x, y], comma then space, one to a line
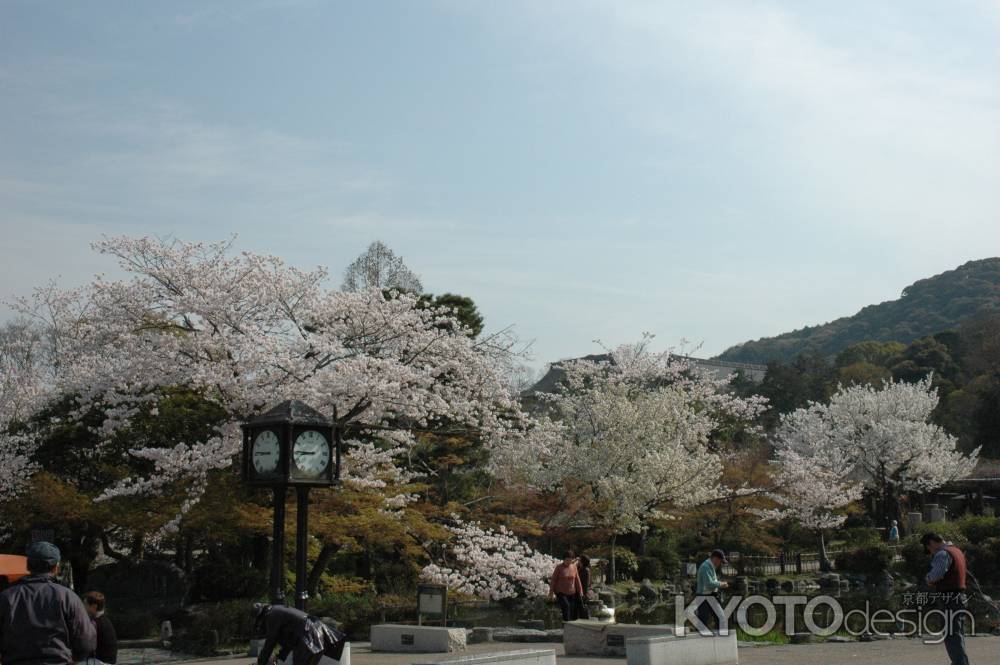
[147, 656]
[982, 651]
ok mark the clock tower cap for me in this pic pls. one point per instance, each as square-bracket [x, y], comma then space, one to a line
[293, 411]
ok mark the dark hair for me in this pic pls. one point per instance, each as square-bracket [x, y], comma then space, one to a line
[584, 561]
[928, 537]
[40, 566]
[95, 598]
[570, 554]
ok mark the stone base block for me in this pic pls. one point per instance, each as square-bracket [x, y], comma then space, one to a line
[598, 638]
[691, 649]
[417, 639]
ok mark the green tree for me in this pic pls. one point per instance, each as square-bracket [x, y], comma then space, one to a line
[863, 373]
[464, 308]
[791, 386]
[871, 352]
[922, 358]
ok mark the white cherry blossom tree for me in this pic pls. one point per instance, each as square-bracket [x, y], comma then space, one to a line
[812, 490]
[867, 439]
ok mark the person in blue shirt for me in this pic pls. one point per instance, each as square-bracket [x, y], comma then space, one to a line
[894, 532]
[708, 586]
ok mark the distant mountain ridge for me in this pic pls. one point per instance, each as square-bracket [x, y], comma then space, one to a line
[926, 307]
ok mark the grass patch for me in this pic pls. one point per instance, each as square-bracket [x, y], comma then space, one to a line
[773, 636]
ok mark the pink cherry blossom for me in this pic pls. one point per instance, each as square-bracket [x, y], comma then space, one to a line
[249, 331]
[490, 563]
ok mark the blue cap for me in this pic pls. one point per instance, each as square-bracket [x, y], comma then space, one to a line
[42, 551]
[720, 554]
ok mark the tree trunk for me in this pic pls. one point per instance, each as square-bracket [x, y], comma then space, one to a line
[322, 561]
[614, 574]
[138, 546]
[109, 550]
[824, 560]
[80, 566]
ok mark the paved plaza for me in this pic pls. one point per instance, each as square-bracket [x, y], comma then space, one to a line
[982, 651]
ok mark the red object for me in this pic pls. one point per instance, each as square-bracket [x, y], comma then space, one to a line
[954, 579]
[13, 567]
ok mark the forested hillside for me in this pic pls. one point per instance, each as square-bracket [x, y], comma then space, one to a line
[926, 307]
[964, 366]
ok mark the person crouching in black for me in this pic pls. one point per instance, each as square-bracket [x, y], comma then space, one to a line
[305, 637]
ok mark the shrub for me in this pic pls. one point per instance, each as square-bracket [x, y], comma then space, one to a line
[916, 562]
[135, 625]
[870, 561]
[354, 613]
[626, 562]
[219, 580]
[230, 619]
[949, 531]
[648, 567]
[862, 536]
[664, 548]
[979, 529]
[984, 560]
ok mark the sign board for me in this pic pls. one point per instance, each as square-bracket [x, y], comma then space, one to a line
[691, 569]
[406, 639]
[616, 640]
[432, 602]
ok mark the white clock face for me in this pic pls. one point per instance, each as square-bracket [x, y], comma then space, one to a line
[311, 453]
[265, 452]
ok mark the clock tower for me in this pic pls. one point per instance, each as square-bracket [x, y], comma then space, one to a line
[291, 444]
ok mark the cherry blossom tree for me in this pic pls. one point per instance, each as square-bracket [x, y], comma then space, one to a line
[875, 440]
[490, 563]
[247, 331]
[813, 491]
[24, 368]
[634, 429]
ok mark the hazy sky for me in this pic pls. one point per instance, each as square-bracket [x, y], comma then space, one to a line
[705, 170]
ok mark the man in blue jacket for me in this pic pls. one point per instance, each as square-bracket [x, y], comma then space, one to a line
[41, 621]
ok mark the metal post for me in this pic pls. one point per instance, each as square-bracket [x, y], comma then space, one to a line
[301, 547]
[338, 444]
[278, 548]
